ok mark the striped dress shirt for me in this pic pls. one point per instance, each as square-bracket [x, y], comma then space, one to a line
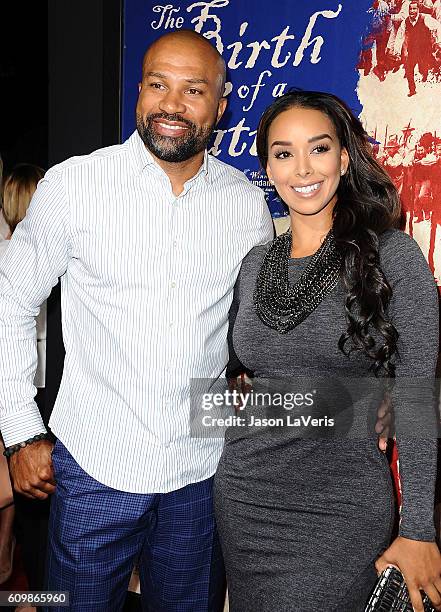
[146, 284]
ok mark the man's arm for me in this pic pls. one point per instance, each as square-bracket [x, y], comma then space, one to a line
[36, 256]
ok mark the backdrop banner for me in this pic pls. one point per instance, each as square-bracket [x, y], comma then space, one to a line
[268, 48]
[383, 58]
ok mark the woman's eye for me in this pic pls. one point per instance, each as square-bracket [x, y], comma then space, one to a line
[321, 148]
[282, 154]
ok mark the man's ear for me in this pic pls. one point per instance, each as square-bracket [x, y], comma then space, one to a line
[221, 109]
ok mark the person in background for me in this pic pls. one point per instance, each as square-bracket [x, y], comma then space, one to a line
[418, 32]
[7, 540]
[4, 229]
[31, 516]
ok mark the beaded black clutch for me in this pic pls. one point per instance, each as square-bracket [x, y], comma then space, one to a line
[390, 594]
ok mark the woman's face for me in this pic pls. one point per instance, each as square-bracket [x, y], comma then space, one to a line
[305, 160]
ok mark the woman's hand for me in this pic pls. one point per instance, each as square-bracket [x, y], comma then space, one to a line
[420, 564]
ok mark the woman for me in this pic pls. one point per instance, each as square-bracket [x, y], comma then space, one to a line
[7, 541]
[305, 522]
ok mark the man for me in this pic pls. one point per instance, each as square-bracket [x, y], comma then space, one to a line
[422, 162]
[392, 161]
[416, 34]
[435, 217]
[380, 31]
[143, 239]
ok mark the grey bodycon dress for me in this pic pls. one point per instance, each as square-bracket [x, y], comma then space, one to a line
[302, 521]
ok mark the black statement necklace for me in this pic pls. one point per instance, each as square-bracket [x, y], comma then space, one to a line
[282, 306]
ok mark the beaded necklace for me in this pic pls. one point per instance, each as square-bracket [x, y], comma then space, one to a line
[283, 306]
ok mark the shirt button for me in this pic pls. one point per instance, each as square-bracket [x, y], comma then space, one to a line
[170, 324]
[175, 244]
[173, 285]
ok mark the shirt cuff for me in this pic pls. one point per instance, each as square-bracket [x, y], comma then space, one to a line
[20, 426]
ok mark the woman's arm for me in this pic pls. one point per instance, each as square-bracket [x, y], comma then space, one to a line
[235, 367]
[414, 312]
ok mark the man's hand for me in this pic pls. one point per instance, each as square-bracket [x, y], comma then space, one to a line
[242, 386]
[31, 470]
[384, 422]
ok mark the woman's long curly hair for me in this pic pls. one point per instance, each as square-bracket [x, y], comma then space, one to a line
[367, 205]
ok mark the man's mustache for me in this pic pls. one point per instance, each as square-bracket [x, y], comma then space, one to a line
[173, 117]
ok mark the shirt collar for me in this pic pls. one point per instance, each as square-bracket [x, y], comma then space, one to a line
[207, 168]
[142, 158]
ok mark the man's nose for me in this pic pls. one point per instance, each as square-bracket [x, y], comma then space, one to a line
[172, 102]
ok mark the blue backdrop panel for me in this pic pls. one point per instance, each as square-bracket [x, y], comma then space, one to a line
[268, 46]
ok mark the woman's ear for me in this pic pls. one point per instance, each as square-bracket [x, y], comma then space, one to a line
[269, 174]
[344, 161]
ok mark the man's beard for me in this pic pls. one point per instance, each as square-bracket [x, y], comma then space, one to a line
[172, 148]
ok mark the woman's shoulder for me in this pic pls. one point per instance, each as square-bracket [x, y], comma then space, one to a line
[249, 270]
[401, 255]
[393, 239]
[253, 260]
[398, 246]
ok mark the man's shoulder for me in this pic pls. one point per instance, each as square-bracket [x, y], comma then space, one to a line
[110, 154]
[229, 176]
[429, 21]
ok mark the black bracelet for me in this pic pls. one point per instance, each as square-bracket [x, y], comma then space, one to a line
[16, 447]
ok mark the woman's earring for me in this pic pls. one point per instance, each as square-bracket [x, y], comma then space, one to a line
[343, 172]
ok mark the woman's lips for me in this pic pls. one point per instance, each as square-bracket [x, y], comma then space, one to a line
[308, 191]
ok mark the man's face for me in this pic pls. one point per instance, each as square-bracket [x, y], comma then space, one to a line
[413, 10]
[392, 151]
[179, 99]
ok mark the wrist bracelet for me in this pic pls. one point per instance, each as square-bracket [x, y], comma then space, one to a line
[16, 447]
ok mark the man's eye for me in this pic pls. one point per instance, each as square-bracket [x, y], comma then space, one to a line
[156, 85]
[194, 91]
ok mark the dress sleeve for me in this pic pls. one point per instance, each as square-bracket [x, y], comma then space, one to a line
[414, 312]
[235, 367]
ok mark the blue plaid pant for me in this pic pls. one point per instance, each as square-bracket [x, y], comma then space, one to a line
[96, 534]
